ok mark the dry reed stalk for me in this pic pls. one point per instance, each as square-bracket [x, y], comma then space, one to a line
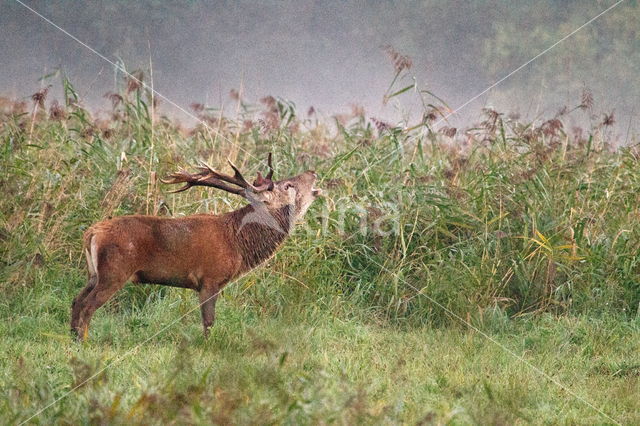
[38, 102]
[233, 153]
[118, 192]
[151, 174]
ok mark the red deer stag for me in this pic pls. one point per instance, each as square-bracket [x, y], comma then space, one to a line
[202, 252]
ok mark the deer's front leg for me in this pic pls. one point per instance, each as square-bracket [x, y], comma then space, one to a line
[208, 296]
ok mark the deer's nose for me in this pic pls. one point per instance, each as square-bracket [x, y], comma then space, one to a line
[313, 172]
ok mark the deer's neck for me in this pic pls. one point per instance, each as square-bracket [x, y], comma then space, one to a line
[259, 232]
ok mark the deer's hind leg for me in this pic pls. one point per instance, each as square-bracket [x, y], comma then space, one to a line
[78, 303]
[104, 289]
[112, 273]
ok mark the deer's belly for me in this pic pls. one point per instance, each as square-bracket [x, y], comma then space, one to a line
[169, 279]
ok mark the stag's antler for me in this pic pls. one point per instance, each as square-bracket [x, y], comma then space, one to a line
[202, 178]
[259, 179]
[207, 176]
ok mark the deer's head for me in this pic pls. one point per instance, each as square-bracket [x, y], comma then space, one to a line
[264, 193]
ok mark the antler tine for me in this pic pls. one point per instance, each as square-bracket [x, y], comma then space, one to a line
[203, 178]
[270, 174]
[236, 179]
[264, 185]
[176, 178]
[238, 176]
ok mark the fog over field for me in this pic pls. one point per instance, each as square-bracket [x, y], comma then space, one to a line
[328, 54]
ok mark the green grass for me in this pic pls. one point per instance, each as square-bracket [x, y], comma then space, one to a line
[311, 365]
[515, 253]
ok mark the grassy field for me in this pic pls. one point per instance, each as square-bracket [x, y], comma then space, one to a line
[490, 275]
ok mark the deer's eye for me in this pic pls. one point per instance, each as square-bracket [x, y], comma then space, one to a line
[287, 186]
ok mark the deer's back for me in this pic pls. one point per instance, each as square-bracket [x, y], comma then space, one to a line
[174, 251]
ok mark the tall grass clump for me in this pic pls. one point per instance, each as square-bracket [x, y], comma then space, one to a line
[417, 225]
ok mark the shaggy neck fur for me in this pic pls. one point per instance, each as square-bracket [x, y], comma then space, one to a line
[258, 232]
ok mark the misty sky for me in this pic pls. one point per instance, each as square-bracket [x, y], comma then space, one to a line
[322, 53]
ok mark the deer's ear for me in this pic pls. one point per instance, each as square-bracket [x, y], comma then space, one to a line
[261, 197]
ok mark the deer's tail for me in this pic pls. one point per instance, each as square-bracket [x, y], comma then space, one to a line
[90, 248]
